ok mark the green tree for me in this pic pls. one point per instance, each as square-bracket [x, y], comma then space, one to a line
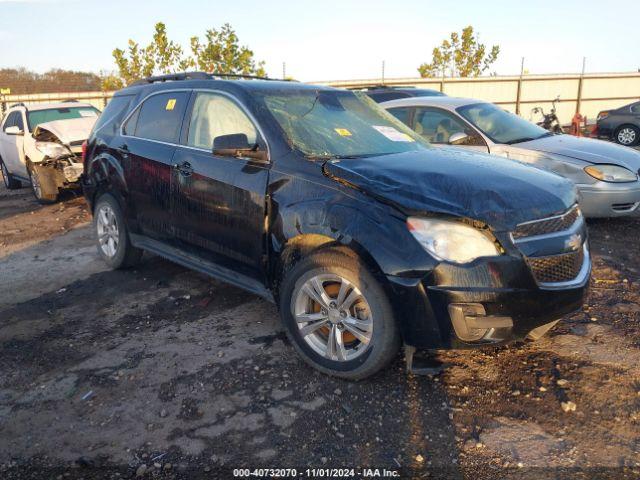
[462, 55]
[219, 52]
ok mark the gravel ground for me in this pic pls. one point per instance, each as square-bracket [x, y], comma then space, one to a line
[160, 372]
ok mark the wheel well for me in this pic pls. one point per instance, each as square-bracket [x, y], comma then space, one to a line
[304, 245]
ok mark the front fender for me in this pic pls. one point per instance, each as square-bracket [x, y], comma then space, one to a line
[350, 219]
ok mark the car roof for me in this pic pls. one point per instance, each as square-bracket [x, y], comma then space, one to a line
[212, 84]
[446, 102]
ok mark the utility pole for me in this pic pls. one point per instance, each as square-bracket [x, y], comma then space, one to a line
[284, 70]
[579, 100]
[519, 92]
[382, 72]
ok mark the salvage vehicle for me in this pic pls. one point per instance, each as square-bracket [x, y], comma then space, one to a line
[316, 199]
[42, 145]
[621, 125]
[606, 175]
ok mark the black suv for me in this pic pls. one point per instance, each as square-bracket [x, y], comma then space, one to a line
[317, 199]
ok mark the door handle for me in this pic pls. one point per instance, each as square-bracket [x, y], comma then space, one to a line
[184, 168]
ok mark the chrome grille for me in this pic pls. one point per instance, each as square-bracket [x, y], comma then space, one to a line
[557, 268]
[547, 225]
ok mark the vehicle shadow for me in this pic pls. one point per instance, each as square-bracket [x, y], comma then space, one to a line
[209, 380]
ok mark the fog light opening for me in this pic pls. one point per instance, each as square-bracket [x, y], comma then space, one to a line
[471, 323]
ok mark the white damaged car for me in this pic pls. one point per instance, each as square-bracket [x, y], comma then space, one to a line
[41, 145]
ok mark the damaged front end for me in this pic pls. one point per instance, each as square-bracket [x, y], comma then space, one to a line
[59, 161]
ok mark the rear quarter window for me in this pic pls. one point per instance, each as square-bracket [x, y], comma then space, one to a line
[113, 114]
[160, 117]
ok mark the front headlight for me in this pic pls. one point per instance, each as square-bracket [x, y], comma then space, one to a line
[611, 173]
[52, 150]
[452, 241]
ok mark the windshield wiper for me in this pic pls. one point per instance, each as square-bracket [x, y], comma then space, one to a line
[520, 140]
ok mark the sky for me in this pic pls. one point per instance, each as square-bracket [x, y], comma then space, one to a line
[329, 39]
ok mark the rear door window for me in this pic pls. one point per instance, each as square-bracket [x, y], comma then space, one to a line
[635, 108]
[160, 117]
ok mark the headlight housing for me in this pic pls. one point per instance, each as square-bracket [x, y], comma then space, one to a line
[611, 173]
[52, 150]
[451, 241]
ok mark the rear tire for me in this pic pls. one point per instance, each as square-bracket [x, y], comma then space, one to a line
[43, 186]
[348, 329]
[112, 237]
[627, 135]
[9, 182]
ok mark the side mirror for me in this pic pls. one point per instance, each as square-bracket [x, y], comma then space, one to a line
[237, 145]
[13, 130]
[458, 138]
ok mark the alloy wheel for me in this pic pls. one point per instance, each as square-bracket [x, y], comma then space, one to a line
[35, 183]
[333, 317]
[627, 136]
[108, 232]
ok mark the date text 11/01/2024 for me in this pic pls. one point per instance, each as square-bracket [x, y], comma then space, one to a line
[316, 473]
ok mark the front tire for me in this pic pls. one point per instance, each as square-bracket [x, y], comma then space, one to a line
[112, 238]
[43, 186]
[627, 135]
[9, 182]
[338, 317]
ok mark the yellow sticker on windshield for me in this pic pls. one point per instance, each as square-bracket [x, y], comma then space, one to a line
[171, 104]
[343, 132]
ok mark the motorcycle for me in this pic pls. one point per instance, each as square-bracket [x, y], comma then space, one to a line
[550, 120]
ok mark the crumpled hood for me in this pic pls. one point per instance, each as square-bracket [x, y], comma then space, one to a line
[586, 149]
[69, 131]
[500, 192]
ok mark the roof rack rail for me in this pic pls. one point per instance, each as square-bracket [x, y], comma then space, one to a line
[70, 100]
[172, 77]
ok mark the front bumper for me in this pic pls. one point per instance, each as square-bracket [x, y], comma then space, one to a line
[609, 199]
[513, 304]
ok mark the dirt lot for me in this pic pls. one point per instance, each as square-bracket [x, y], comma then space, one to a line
[165, 373]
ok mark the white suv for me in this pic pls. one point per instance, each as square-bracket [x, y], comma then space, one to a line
[42, 145]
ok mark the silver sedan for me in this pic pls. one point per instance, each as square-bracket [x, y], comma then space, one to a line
[605, 174]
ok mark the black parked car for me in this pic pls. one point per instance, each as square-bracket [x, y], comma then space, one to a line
[383, 93]
[621, 125]
[316, 199]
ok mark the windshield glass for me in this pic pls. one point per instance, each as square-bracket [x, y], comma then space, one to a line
[501, 126]
[37, 117]
[334, 123]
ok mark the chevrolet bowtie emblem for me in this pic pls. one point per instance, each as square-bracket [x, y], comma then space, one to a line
[573, 243]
